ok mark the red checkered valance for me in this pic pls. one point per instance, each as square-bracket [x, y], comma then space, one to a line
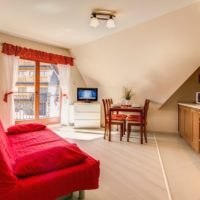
[31, 54]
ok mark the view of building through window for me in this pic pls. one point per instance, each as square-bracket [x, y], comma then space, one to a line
[49, 91]
[28, 100]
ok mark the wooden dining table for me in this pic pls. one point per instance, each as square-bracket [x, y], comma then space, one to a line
[131, 109]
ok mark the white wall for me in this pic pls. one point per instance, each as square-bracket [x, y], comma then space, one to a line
[153, 58]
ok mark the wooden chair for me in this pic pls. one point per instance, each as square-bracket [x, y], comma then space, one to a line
[139, 120]
[116, 119]
[110, 102]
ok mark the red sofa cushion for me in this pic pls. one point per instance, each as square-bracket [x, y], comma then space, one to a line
[7, 178]
[24, 128]
[47, 186]
[47, 160]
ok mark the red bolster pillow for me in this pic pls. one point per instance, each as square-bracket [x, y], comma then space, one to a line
[48, 160]
[24, 128]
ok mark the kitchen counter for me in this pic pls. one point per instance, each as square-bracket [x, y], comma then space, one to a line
[190, 105]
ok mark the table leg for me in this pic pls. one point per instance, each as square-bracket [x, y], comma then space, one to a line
[109, 126]
[141, 134]
[141, 126]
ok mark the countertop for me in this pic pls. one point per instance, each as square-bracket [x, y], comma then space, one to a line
[191, 105]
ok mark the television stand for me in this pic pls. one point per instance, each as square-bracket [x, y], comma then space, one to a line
[87, 115]
[87, 101]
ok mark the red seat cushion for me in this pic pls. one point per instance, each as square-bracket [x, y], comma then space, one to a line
[47, 160]
[24, 128]
[119, 117]
[136, 118]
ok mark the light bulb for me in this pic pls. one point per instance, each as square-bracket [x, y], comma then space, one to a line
[110, 23]
[94, 22]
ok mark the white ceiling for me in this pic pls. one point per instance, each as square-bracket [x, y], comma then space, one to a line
[65, 22]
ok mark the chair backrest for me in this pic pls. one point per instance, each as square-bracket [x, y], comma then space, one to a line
[106, 105]
[105, 108]
[110, 102]
[146, 108]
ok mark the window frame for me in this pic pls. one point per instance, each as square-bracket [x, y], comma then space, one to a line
[52, 120]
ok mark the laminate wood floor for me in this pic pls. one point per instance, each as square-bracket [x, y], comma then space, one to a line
[182, 166]
[129, 171]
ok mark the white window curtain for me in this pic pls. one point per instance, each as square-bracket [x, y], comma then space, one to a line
[8, 76]
[64, 76]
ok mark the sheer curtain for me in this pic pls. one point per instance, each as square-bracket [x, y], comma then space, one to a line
[8, 76]
[64, 76]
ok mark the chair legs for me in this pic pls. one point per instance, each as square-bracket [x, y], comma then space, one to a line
[142, 132]
[106, 131]
[145, 133]
[122, 130]
[128, 132]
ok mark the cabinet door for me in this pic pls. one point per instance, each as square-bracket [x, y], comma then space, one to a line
[181, 125]
[188, 125]
[189, 120]
[195, 130]
[87, 108]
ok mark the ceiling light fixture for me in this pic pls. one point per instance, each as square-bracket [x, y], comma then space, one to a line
[104, 15]
[94, 22]
[110, 23]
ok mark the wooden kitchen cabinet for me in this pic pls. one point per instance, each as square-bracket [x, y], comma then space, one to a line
[189, 124]
[195, 129]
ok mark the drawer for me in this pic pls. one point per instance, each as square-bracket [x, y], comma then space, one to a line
[93, 116]
[87, 124]
[87, 108]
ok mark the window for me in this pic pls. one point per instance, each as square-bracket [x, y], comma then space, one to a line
[21, 89]
[38, 96]
[31, 73]
[43, 90]
[21, 73]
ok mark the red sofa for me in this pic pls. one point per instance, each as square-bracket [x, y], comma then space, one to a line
[46, 186]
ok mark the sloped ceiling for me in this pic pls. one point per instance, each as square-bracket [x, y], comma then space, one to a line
[153, 58]
[65, 22]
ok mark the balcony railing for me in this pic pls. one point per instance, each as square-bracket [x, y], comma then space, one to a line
[25, 79]
[25, 106]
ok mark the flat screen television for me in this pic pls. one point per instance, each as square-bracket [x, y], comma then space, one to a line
[87, 94]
